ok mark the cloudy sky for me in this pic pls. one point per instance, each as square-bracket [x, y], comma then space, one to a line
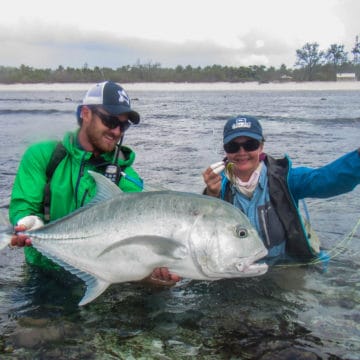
[113, 33]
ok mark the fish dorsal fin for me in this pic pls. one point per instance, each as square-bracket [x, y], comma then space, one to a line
[157, 244]
[106, 189]
[152, 188]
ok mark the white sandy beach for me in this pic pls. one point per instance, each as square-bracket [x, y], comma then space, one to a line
[220, 86]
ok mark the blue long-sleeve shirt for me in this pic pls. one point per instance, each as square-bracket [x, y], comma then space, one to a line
[337, 177]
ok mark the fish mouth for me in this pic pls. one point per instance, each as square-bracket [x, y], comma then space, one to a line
[244, 267]
[255, 269]
[249, 266]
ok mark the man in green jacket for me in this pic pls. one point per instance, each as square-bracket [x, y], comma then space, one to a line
[104, 116]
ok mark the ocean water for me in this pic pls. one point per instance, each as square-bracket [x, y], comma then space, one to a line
[289, 313]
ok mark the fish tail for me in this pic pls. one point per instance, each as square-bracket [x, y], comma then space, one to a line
[5, 239]
[6, 231]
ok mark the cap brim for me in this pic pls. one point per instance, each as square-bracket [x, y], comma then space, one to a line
[134, 116]
[234, 135]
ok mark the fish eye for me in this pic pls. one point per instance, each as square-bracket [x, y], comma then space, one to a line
[241, 232]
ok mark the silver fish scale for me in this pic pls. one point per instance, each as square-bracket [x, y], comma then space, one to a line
[126, 236]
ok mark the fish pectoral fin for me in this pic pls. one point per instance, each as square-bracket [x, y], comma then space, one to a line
[94, 288]
[157, 244]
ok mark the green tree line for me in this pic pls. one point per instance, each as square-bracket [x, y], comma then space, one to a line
[312, 64]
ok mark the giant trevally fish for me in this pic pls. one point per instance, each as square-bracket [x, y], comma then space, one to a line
[120, 237]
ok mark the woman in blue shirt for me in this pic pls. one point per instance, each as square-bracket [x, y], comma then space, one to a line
[268, 190]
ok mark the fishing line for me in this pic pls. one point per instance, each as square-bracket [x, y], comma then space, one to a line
[342, 245]
[323, 258]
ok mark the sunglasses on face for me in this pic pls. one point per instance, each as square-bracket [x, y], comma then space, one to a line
[249, 145]
[111, 121]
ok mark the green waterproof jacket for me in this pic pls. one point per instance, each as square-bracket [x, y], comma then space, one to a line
[71, 185]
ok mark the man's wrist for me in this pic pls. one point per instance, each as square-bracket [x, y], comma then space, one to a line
[31, 222]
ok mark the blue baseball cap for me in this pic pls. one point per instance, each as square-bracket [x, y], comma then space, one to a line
[112, 98]
[242, 125]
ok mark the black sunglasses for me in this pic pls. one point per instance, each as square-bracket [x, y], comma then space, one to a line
[249, 145]
[111, 121]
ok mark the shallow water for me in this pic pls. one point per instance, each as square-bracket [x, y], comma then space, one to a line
[297, 313]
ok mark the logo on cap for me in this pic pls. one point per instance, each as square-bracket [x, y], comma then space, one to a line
[123, 97]
[241, 123]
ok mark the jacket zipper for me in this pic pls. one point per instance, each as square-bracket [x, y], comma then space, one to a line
[84, 197]
[80, 175]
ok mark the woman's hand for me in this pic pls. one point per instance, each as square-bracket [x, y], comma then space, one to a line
[212, 179]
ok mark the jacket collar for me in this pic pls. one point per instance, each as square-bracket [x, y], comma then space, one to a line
[73, 146]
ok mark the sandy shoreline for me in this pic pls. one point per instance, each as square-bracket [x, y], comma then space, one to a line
[248, 86]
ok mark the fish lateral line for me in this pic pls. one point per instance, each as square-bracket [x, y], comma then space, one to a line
[158, 244]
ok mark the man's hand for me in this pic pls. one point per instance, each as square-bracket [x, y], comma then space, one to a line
[161, 277]
[20, 239]
[30, 222]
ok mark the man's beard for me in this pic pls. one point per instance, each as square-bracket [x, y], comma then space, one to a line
[96, 138]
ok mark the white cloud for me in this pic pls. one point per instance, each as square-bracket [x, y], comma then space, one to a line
[197, 32]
